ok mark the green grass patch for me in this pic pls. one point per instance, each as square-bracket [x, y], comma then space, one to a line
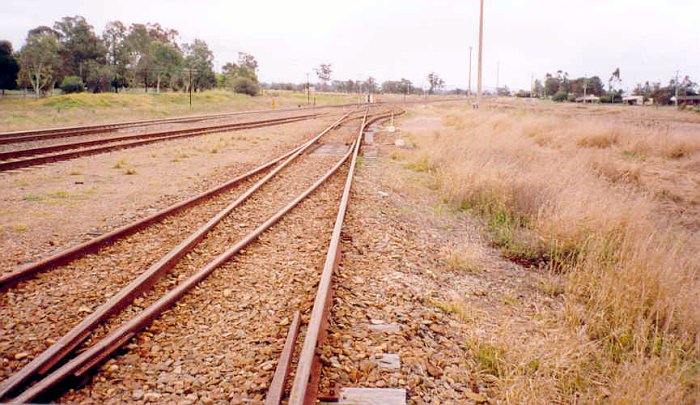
[32, 197]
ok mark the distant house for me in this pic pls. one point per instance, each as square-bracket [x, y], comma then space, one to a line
[687, 100]
[588, 99]
[633, 100]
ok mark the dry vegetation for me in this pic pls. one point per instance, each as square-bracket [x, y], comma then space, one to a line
[605, 200]
[18, 113]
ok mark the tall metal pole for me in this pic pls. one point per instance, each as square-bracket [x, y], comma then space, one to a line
[470, 72]
[481, 52]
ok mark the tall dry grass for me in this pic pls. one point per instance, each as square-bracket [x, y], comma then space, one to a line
[572, 196]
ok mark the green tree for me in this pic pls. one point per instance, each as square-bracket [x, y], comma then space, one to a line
[370, 85]
[39, 58]
[244, 85]
[435, 82]
[78, 45]
[114, 38]
[323, 71]
[613, 82]
[167, 61]
[201, 61]
[8, 67]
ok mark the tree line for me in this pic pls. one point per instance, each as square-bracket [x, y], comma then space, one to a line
[72, 56]
[559, 87]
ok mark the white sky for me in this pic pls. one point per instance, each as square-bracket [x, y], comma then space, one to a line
[390, 39]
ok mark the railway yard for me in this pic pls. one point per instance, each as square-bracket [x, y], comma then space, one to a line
[189, 299]
[266, 256]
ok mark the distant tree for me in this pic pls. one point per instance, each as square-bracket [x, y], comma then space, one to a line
[39, 58]
[72, 84]
[613, 82]
[595, 86]
[247, 67]
[201, 60]
[167, 61]
[551, 85]
[370, 85]
[503, 91]
[8, 67]
[538, 89]
[78, 45]
[99, 77]
[435, 82]
[560, 96]
[323, 71]
[114, 38]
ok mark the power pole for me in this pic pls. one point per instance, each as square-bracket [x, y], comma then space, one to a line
[469, 93]
[677, 88]
[498, 76]
[190, 70]
[308, 90]
[481, 51]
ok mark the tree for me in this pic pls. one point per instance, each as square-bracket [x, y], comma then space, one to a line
[370, 85]
[8, 67]
[114, 38]
[538, 89]
[323, 71]
[613, 82]
[247, 66]
[435, 82]
[78, 45]
[167, 61]
[201, 60]
[38, 59]
[551, 85]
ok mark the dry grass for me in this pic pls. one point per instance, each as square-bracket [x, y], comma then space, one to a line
[576, 197]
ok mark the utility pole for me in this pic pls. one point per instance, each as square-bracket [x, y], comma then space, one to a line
[481, 52]
[190, 70]
[469, 93]
[676, 88]
[308, 90]
[498, 76]
[532, 85]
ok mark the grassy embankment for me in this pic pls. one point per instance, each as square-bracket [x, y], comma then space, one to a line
[79, 109]
[609, 207]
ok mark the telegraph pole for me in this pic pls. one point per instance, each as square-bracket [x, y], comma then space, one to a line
[677, 88]
[481, 52]
[470, 72]
[190, 70]
[498, 76]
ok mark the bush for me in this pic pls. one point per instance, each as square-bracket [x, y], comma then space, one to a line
[72, 84]
[244, 85]
[560, 96]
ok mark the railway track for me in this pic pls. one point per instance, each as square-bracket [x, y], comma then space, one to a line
[67, 132]
[37, 156]
[205, 248]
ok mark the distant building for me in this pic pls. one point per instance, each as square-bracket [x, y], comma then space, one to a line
[686, 100]
[633, 100]
[588, 99]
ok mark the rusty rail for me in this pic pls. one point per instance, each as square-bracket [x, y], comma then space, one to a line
[59, 350]
[305, 386]
[150, 138]
[93, 356]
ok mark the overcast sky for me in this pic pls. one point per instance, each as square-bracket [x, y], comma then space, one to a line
[390, 39]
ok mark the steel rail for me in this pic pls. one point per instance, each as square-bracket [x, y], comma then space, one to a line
[94, 355]
[60, 132]
[59, 350]
[34, 161]
[305, 386]
[93, 244]
[76, 145]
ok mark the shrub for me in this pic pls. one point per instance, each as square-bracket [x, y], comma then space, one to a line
[560, 96]
[244, 85]
[72, 84]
